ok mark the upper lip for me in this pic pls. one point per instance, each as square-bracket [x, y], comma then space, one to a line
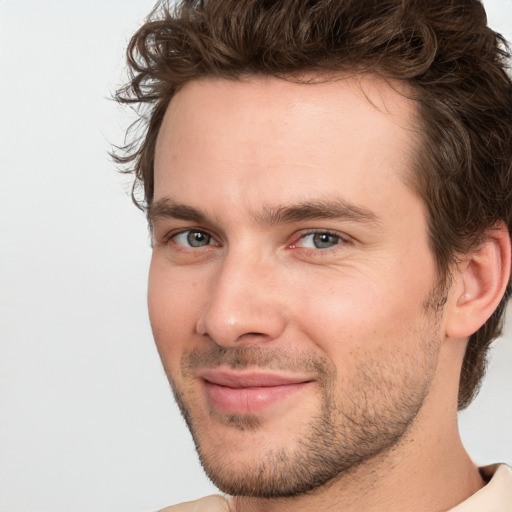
[246, 379]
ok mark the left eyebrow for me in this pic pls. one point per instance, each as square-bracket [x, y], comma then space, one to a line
[316, 210]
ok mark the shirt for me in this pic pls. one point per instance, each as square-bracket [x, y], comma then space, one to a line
[496, 496]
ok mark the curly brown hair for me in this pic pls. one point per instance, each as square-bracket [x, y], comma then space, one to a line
[454, 66]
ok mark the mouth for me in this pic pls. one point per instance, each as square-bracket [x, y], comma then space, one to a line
[250, 393]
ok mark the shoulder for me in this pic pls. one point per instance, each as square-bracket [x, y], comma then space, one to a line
[214, 503]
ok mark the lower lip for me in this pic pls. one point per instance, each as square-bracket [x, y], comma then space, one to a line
[249, 401]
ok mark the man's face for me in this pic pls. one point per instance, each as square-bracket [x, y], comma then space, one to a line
[291, 284]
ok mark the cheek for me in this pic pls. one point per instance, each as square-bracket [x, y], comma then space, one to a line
[359, 311]
[173, 304]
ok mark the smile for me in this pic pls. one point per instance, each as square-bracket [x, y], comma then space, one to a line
[243, 393]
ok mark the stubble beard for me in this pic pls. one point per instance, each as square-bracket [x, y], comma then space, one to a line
[338, 440]
[380, 402]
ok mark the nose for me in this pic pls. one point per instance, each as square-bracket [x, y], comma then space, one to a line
[244, 305]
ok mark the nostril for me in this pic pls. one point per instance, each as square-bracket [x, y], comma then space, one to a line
[252, 337]
[229, 319]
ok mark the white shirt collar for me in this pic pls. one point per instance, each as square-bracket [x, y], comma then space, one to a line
[496, 496]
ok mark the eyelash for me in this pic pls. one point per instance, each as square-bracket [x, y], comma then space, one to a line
[320, 232]
[294, 245]
[172, 237]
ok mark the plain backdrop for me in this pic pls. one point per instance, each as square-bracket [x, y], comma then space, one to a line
[87, 422]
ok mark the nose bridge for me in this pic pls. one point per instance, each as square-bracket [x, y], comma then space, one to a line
[243, 301]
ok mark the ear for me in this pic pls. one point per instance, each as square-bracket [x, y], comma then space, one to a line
[479, 284]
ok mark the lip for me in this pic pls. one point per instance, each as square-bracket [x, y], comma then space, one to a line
[249, 393]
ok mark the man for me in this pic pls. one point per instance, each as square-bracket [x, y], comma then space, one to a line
[328, 185]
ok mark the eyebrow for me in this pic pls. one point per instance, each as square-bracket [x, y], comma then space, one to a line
[168, 209]
[311, 210]
[270, 216]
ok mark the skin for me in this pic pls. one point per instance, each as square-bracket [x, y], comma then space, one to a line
[338, 298]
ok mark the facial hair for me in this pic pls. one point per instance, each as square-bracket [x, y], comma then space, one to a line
[378, 403]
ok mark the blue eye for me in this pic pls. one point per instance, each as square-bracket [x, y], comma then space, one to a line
[193, 239]
[320, 240]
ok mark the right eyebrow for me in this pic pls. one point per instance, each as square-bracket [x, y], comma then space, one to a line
[167, 209]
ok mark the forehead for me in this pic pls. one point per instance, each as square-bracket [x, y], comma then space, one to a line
[277, 138]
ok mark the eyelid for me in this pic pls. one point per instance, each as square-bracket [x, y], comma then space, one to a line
[303, 234]
[297, 237]
[171, 236]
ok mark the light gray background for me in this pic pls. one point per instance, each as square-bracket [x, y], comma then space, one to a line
[86, 418]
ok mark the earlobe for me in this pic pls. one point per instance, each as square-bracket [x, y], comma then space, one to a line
[479, 284]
